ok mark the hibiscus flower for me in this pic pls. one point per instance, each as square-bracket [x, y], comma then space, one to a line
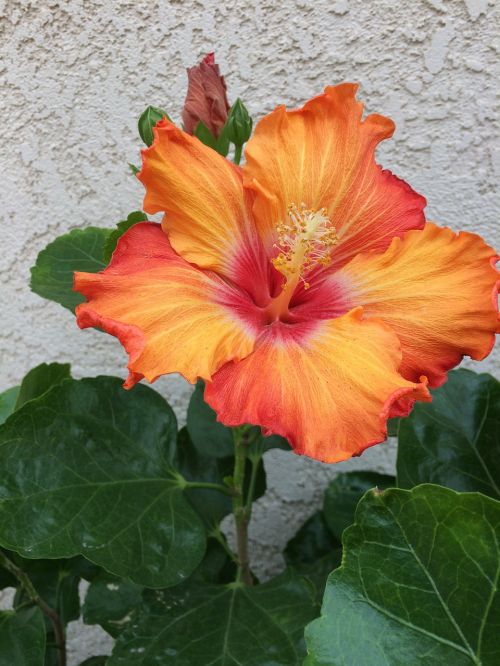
[306, 288]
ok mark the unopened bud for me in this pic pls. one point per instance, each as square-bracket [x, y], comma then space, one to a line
[206, 99]
[239, 124]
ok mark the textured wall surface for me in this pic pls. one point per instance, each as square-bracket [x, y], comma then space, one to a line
[76, 75]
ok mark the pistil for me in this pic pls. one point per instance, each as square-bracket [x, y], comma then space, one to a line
[305, 240]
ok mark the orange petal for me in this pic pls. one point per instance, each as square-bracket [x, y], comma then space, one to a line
[326, 386]
[437, 290]
[169, 315]
[323, 155]
[201, 192]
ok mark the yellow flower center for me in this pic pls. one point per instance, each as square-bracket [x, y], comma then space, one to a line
[305, 240]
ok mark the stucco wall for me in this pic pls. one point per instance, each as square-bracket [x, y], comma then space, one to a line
[77, 74]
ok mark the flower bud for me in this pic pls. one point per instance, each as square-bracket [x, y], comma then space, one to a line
[148, 120]
[239, 124]
[206, 99]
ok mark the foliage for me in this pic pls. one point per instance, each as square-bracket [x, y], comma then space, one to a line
[418, 583]
[89, 469]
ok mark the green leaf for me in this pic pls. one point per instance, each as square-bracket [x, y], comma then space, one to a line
[40, 379]
[80, 250]
[134, 170]
[22, 638]
[200, 625]
[261, 444]
[220, 144]
[453, 441]
[109, 602]
[55, 582]
[418, 583]
[121, 228]
[393, 426]
[95, 661]
[8, 401]
[195, 466]
[314, 552]
[312, 541]
[148, 119]
[85, 470]
[344, 493]
[216, 566]
[208, 435]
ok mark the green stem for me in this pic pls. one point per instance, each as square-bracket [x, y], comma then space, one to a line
[237, 153]
[251, 490]
[218, 536]
[210, 486]
[239, 509]
[30, 590]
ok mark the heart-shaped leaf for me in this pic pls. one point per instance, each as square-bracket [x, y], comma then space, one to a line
[79, 250]
[85, 470]
[418, 583]
[109, 601]
[343, 494]
[202, 625]
[454, 440]
[22, 637]
[8, 401]
[41, 379]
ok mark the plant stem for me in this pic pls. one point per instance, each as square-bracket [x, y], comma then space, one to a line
[251, 490]
[218, 536]
[52, 614]
[210, 486]
[237, 153]
[239, 509]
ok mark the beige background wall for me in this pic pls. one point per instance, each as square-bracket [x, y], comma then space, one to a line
[76, 75]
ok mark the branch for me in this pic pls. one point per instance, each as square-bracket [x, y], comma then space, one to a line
[30, 590]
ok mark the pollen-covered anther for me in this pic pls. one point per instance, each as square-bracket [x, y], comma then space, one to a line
[305, 240]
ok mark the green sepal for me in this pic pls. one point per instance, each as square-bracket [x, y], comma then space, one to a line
[219, 144]
[147, 120]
